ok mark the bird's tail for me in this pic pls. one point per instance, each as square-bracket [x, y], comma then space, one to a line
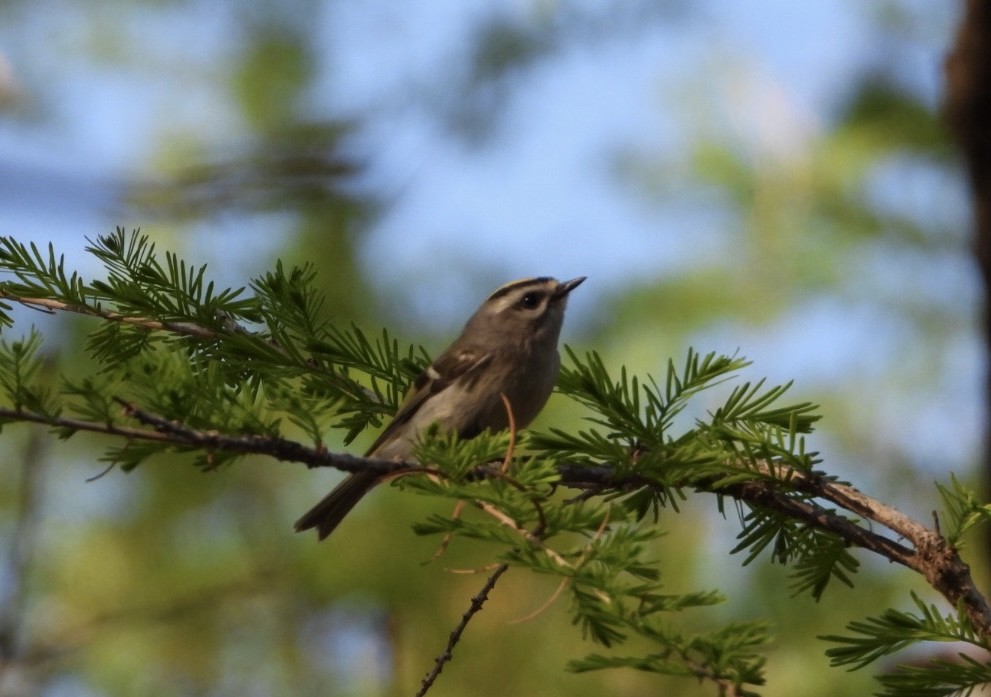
[327, 514]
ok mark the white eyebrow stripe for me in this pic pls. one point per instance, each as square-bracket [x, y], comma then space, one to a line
[541, 282]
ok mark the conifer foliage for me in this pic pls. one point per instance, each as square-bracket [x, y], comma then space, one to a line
[184, 366]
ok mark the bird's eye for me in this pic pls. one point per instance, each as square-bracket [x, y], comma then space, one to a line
[530, 300]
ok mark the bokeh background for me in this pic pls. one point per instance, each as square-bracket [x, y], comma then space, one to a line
[769, 178]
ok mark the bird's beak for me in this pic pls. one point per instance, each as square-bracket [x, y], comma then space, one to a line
[567, 286]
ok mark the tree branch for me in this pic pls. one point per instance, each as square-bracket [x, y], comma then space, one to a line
[174, 433]
[932, 557]
[773, 488]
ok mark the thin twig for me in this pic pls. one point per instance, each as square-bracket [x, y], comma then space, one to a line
[546, 604]
[586, 553]
[448, 536]
[534, 537]
[51, 305]
[476, 604]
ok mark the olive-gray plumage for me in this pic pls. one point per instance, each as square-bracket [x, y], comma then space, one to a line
[508, 347]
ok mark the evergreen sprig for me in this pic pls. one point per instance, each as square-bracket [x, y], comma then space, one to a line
[22, 377]
[139, 285]
[730, 656]
[38, 274]
[750, 437]
[894, 630]
[937, 678]
[962, 510]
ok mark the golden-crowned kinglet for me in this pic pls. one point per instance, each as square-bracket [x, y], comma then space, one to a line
[508, 347]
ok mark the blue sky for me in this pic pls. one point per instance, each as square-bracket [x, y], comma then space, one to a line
[544, 174]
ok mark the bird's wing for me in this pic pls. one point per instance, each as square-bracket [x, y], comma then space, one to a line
[438, 376]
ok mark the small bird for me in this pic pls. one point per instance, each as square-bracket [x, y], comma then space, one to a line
[508, 347]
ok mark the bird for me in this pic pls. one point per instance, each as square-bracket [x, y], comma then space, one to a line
[507, 347]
